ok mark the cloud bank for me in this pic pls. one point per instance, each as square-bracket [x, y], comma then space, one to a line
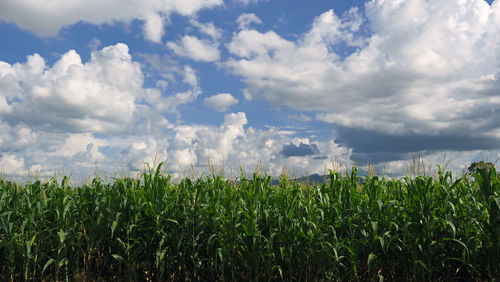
[390, 91]
[434, 73]
[47, 19]
[82, 117]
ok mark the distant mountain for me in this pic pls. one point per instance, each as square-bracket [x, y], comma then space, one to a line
[318, 179]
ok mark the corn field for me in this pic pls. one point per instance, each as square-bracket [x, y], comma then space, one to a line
[213, 229]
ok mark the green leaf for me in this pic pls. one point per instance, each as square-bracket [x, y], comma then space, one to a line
[382, 243]
[497, 201]
[371, 257]
[62, 262]
[47, 264]
[279, 270]
[453, 228]
[115, 223]
[375, 227]
[62, 235]
[118, 258]
[460, 243]
[422, 264]
[174, 221]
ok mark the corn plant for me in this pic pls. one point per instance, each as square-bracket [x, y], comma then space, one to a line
[150, 228]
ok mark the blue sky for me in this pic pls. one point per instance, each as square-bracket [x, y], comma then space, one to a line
[95, 85]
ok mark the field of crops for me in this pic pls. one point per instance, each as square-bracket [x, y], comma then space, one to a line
[348, 228]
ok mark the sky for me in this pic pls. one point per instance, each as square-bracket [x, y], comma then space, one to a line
[91, 86]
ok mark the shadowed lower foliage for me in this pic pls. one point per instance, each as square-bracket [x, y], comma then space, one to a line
[416, 229]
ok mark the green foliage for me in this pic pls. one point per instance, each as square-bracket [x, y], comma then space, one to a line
[479, 166]
[349, 228]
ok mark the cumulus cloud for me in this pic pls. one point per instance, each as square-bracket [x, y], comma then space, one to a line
[196, 49]
[8, 87]
[24, 149]
[169, 103]
[141, 152]
[16, 138]
[47, 19]
[183, 158]
[213, 144]
[10, 164]
[82, 116]
[75, 96]
[233, 145]
[221, 102]
[245, 20]
[251, 44]
[81, 143]
[199, 49]
[433, 73]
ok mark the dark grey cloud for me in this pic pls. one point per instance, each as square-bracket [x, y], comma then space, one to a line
[292, 150]
[320, 158]
[377, 147]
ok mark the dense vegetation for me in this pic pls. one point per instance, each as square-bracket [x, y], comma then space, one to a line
[347, 228]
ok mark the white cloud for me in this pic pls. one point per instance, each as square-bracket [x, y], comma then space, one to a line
[196, 49]
[233, 145]
[183, 158]
[230, 143]
[231, 129]
[221, 102]
[205, 50]
[161, 65]
[247, 2]
[47, 19]
[81, 143]
[208, 29]
[190, 77]
[252, 44]
[8, 87]
[11, 165]
[77, 96]
[170, 103]
[245, 20]
[139, 153]
[431, 73]
[214, 144]
[153, 28]
[16, 138]
[328, 30]
[4, 106]
[436, 72]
